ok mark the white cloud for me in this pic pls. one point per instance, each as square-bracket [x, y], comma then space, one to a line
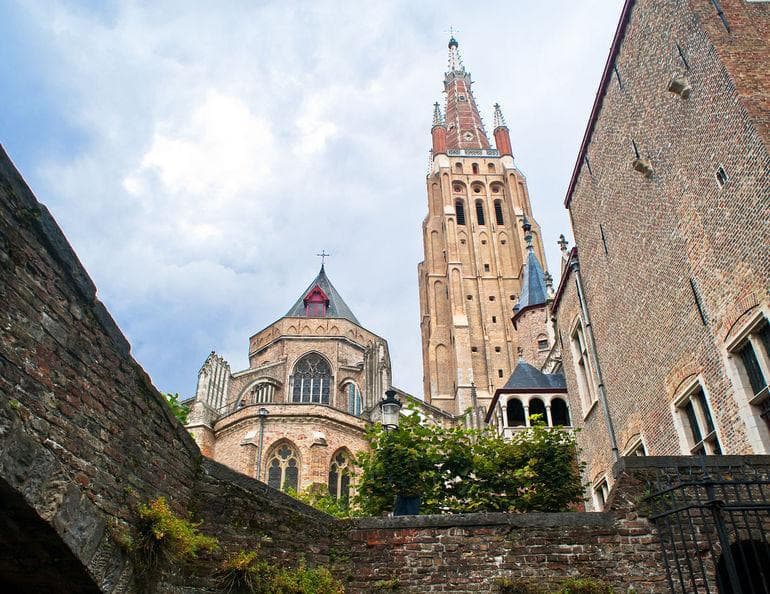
[226, 145]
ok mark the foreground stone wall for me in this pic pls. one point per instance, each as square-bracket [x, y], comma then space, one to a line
[84, 435]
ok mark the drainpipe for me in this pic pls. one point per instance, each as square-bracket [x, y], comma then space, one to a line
[589, 332]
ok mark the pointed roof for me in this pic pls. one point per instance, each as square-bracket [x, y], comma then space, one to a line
[465, 130]
[336, 308]
[527, 379]
[533, 285]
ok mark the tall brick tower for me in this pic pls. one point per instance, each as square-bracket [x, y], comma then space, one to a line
[470, 278]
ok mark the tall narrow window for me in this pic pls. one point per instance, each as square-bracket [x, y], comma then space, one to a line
[475, 168]
[312, 380]
[698, 423]
[583, 370]
[283, 468]
[339, 476]
[480, 212]
[499, 212]
[752, 357]
[559, 413]
[601, 493]
[536, 407]
[460, 212]
[355, 401]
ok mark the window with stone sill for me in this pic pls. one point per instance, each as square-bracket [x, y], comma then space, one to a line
[283, 468]
[751, 356]
[698, 423]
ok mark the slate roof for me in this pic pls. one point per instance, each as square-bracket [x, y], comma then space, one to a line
[337, 308]
[527, 377]
[533, 290]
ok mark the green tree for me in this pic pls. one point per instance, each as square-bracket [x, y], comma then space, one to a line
[456, 470]
[180, 410]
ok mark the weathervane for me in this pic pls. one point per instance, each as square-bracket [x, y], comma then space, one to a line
[323, 255]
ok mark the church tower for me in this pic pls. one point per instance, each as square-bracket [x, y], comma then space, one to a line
[475, 251]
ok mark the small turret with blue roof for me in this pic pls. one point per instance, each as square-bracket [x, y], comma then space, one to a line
[534, 290]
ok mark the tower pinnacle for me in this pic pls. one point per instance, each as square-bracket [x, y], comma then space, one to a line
[465, 129]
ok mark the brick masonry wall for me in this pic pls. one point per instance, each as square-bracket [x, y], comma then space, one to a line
[675, 226]
[84, 435]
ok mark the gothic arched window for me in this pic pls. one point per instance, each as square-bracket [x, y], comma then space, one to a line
[312, 379]
[283, 468]
[339, 476]
[480, 212]
[460, 212]
[355, 401]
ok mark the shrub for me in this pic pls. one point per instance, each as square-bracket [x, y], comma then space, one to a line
[585, 586]
[318, 496]
[164, 536]
[517, 586]
[245, 572]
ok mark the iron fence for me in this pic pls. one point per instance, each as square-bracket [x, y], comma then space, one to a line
[713, 525]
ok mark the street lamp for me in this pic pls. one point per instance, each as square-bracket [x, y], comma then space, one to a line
[390, 407]
[263, 412]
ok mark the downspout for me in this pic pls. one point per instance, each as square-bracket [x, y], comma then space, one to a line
[575, 267]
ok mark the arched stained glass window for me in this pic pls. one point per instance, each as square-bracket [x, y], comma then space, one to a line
[312, 379]
[339, 476]
[283, 468]
[355, 401]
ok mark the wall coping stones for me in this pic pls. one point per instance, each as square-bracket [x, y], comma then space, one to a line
[516, 520]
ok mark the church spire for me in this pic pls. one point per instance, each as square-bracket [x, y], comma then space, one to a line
[501, 134]
[465, 129]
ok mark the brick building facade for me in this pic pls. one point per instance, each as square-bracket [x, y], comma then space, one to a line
[662, 310]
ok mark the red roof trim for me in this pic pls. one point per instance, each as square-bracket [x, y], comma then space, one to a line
[619, 32]
[315, 292]
[563, 281]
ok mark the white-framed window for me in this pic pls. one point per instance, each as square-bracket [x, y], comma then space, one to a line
[601, 492]
[749, 355]
[697, 421]
[635, 447]
[583, 367]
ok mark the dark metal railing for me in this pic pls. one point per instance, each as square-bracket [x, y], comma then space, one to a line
[713, 525]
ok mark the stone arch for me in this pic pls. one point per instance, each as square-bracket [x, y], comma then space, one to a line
[465, 248]
[317, 369]
[319, 330]
[505, 254]
[443, 370]
[334, 331]
[537, 407]
[435, 197]
[560, 412]
[477, 189]
[305, 329]
[514, 413]
[340, 472]
[292, 330]
[440, 300]
[436, 251]
[457, 293]
[248, 395]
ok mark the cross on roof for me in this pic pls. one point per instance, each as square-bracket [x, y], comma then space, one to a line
[323, 255]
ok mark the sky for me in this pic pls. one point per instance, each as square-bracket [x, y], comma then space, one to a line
[198, 155]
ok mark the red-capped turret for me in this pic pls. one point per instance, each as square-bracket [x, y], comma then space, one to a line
[438, 131]
[502, 136]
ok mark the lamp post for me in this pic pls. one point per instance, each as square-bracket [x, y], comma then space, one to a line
[391, 408]
[263, 412]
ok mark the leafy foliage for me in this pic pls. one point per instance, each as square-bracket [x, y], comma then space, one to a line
[318, 496]
[164, 536]
[569, 586]
[180, 410]
[456, 470]
[246, 572]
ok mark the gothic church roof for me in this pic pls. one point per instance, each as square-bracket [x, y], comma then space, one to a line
[533, 289]
[336, 308]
